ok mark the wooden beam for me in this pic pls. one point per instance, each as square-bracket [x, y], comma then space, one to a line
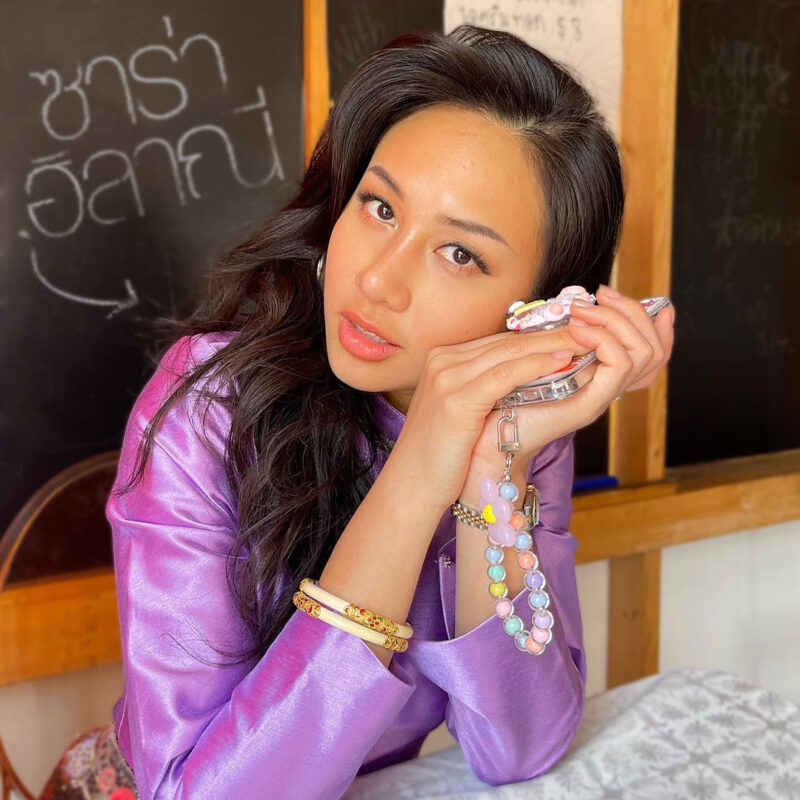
[637, 422]
[316, 76]
[54, 625]
[689, 508]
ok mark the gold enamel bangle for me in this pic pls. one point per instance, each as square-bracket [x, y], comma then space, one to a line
[362, 616]
[314, 609]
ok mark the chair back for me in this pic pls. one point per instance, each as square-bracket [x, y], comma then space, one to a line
[62, 529]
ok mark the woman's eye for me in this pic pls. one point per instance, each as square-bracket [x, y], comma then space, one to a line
[462, 258]
[366, 197]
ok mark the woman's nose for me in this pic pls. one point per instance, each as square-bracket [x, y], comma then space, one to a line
[387, 278]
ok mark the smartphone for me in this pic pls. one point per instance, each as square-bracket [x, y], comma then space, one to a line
[570, 378]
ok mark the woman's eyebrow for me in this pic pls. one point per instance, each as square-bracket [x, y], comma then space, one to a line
[466, 225]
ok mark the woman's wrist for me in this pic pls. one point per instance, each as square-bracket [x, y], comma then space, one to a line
[409, 471]
[470, 492]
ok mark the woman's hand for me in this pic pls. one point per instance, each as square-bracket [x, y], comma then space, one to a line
[631, 351]
[629, 322]
[455, 394]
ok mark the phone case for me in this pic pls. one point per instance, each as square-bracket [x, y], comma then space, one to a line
[570, 378]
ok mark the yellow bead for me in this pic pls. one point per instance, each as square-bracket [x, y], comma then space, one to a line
[488, 513]
[497, 589]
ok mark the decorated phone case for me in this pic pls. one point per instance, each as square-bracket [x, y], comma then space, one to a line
[570, 378]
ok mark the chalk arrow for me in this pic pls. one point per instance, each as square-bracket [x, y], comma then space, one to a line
[118, 305]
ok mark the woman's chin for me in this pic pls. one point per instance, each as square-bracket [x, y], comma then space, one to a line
[362, 376]
[366, 376]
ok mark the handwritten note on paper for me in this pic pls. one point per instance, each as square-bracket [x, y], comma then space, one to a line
[585, 35]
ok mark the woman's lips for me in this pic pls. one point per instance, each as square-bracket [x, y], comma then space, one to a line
[366, 326]
[362, 346]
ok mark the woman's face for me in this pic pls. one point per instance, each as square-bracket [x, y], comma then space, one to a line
[441, 235]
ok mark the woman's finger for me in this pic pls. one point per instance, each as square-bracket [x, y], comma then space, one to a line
[664, 325]
[614, 366]
[497, 372]
[634, 333]
[637, 314]
[488, 351]
[530, 341]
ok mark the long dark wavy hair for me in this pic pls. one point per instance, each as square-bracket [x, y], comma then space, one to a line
[307, 478]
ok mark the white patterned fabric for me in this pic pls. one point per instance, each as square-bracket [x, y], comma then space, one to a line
[693, 733]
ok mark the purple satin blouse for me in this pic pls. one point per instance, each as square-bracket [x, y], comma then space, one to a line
[319, 707]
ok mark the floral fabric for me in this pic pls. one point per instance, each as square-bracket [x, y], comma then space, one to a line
[92, 768]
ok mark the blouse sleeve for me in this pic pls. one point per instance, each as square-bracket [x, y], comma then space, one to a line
[296, 723]
[514, 713]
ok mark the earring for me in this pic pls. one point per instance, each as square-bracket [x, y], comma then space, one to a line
[320, 268]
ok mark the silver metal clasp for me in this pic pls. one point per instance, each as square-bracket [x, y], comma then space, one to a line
[512, 445]
[530, 506]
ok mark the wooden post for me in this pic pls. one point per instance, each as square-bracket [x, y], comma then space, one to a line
[316, 77]
[638, 421]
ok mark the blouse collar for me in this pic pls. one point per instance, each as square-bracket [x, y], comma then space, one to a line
[389, 420]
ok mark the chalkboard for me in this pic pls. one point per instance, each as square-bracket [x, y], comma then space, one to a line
[734, 380]
[358, 27]
[138, 141]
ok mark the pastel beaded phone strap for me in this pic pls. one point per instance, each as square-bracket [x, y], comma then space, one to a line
[507, 526]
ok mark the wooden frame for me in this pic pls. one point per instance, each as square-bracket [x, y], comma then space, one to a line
[637, 422]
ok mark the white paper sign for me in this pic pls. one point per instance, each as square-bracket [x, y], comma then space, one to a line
[586, 35]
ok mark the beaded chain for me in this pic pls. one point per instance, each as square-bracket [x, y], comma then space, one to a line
[507, 526]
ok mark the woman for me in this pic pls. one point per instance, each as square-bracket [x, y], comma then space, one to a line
[455, 175]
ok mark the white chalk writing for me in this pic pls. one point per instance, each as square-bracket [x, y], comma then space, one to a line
[63, 188]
